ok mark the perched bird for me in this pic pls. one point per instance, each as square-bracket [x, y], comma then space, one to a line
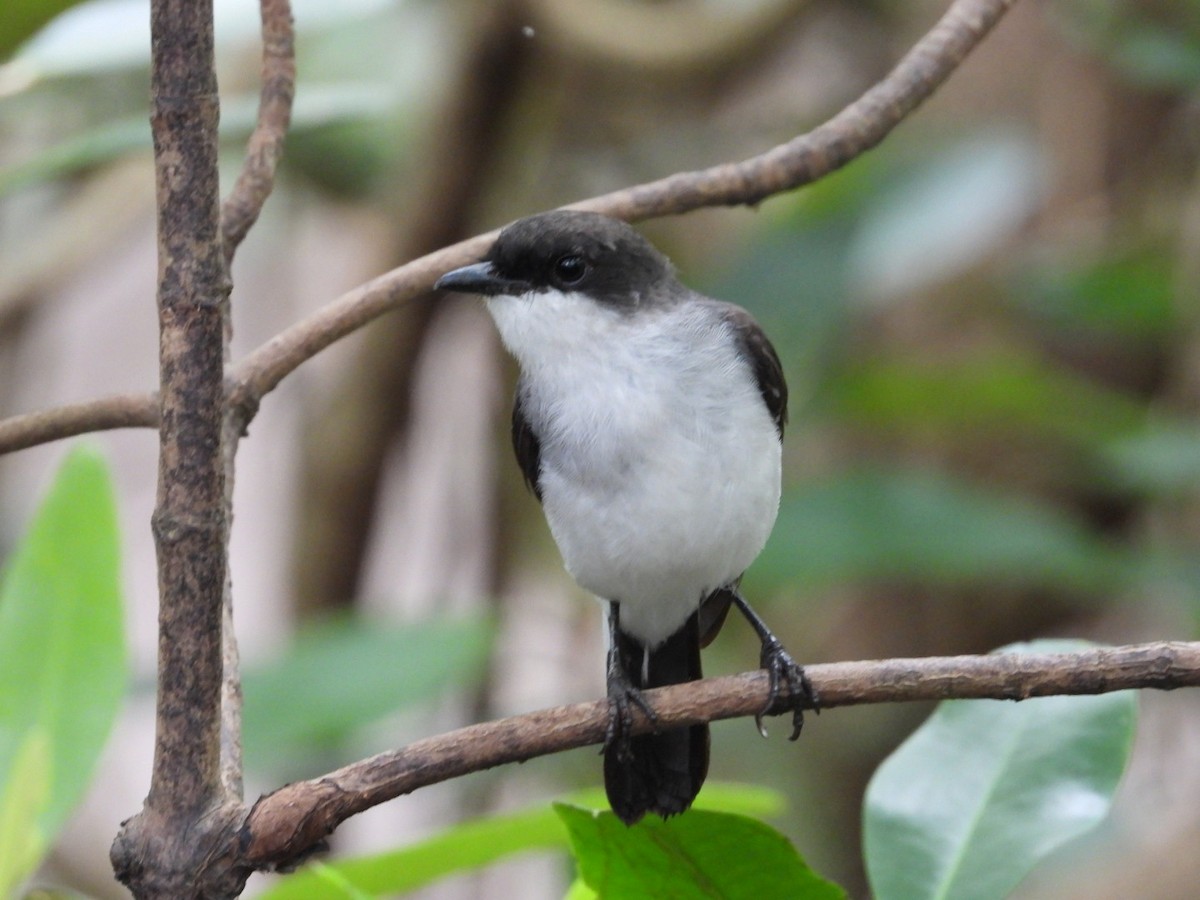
[648, 421]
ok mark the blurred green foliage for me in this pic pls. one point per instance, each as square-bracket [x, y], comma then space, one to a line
[62, 661]
[483, 841]
[340, 676]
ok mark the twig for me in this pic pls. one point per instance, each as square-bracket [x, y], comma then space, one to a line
[120, 411]
[856, 129]
[240, 210]
[285, 825]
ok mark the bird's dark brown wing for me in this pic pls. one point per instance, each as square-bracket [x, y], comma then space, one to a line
[767, 369]
[527, 446]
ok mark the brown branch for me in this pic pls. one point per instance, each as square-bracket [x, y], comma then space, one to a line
[240, 210]
[285, 825]
[166, 849]
[850, 133]
[120, 411]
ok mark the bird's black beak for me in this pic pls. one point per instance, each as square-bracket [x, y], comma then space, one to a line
[480, 278]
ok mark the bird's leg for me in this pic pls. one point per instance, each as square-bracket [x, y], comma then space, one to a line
[781, 668]
[623, 694]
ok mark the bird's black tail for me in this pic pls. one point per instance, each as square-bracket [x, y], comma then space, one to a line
[660, 772]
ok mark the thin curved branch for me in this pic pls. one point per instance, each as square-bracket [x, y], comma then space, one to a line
[853, 131]
[44, 426]
[285, 825]
[240, 209]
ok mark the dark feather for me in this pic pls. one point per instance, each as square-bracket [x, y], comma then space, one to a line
[664, 770]
[767, 368]
[527, 446]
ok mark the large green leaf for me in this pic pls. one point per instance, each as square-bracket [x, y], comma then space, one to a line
[479, 843]
[925, 527]
[697, 855]
[62, 651]
[344, 674]
[985, 789]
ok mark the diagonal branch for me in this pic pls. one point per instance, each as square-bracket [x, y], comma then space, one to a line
[850, 133]
[285, 825]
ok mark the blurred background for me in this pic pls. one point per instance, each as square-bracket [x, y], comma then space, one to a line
[989, 326]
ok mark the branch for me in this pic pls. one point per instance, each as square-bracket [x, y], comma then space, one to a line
[850, 133]
[285, 825]
[167, 849]
[44, 426]
[240, 210]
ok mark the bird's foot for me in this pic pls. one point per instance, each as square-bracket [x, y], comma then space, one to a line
[782, 669]
[622, 697]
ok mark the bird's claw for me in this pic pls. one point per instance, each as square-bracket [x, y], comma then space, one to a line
[622, 697]
[782, 669]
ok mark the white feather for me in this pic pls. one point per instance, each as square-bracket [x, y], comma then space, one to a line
[660, 464]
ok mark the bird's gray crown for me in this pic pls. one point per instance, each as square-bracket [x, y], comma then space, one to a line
[588, 253]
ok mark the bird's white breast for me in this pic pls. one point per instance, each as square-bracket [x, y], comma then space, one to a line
[660, 464]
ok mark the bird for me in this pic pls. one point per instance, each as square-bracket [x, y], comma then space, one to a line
[648, 420]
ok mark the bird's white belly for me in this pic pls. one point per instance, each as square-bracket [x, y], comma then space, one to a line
[655, 513]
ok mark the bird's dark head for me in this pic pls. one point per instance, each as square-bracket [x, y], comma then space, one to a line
[569, 252]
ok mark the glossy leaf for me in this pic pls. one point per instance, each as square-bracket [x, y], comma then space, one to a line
[986, 789]
[481, 842]
[62, 651]
[699, 854]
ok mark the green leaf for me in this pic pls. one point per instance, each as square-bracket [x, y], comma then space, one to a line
[954, 209]
[699, 854]
[23, 18]
[982, 398]
[1163, 458]
[924, 527]
[344, 674]
[22, 841]
[62, 650]
[319, 107]
[481, 842]
[579, 891]
[986, 789]
[1127, 294]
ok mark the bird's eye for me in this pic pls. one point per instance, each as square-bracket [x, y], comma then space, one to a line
[570, 269]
